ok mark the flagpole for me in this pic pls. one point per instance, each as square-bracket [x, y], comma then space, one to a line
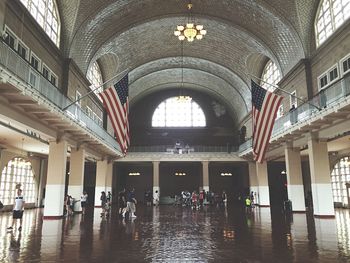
[115, 76]
[276, 87]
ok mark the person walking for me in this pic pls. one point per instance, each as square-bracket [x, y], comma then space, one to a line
[18, 209]
[83, 201]
[131, 203]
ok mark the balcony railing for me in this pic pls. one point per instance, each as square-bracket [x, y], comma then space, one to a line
[190, 149]
[24, 71]
[326, 98]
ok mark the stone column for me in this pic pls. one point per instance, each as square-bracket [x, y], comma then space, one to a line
[295, 179]
[156, 177]
[56, 177]
[205, 165]
[264, 194]
[76, 176]
[109, 177]
[253, 181]
[101, 176]
[320, 179]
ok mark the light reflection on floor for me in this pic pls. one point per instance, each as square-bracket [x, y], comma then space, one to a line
[175, 234]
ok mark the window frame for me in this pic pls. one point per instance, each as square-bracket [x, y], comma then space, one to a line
[32, 54]
[15, 37]
[55, 76]
[327, 74]
[293, 98]
[24, 46]
[48, 70]
[342, 72]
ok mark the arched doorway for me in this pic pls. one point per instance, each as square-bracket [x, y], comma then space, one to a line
[17, 173]
[340, 178]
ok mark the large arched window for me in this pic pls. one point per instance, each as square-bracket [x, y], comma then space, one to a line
[340, 176]
[95, 77]
[331, 14]
[271, 75]
[17, 172]
[45, 12]
[178, 112]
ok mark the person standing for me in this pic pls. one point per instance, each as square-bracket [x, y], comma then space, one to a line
[122, 202]
[18, 209]
[83, 201]
[156, 198]
[103, 199]
[131, 203]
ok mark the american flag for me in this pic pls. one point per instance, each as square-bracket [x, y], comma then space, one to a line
[116, 102]
[265, 107]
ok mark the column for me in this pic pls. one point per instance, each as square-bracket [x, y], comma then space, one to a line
[101, 175]
[253, 181]
[76, 176]
[156, 177]
[205, 165]
[56, 176]
[264, 194]
[320, 179]
[109, 177]
[295, 179]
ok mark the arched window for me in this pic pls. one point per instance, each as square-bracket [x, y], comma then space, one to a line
[340, 176]
[271, 75]
[331, 14]
[17, 172]
[95, 77]
[178, 112]
[45, 12]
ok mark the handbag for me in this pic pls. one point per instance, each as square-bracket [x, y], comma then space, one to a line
[1, 205]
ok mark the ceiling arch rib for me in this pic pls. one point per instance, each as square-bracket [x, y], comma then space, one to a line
[259, 21]
[199, 80]
[228, 47]
[197, 64]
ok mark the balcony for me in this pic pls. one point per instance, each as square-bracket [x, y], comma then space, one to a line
[331, 104]
[39, 92]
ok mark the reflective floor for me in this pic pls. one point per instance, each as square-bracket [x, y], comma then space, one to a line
[176, 234]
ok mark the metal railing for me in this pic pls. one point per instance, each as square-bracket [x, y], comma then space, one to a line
[171, 148]
[18, 66]
[326, 98]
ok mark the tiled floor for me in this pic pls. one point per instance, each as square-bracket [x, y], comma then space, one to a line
[176, 234]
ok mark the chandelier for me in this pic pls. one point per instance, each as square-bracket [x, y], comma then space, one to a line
[190, 31]
[182, 98]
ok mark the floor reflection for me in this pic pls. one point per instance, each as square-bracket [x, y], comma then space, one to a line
[176, 234]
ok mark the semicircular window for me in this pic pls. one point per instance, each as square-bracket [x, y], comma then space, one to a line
[330, 16]
[45, 12]
[271, 76]
[178, 112]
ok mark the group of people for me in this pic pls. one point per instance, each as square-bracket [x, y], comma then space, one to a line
[150, 198]
[106, 203]
[69, 203]
[197, 200]
[127, 203]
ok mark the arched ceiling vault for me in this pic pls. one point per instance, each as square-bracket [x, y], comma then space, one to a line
[138, 35]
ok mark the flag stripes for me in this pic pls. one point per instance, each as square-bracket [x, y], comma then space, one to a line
[265, 107]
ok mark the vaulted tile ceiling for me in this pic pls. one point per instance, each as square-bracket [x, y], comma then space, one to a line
[138, 35]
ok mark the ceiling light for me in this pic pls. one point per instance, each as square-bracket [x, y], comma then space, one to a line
[190, 31]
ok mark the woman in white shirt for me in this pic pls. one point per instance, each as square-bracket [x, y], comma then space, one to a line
[83, 201]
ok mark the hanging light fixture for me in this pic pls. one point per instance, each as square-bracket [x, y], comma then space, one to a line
[190, 31]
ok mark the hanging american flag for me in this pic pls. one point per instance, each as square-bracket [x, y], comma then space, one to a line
[116, 102]
[265, 107]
